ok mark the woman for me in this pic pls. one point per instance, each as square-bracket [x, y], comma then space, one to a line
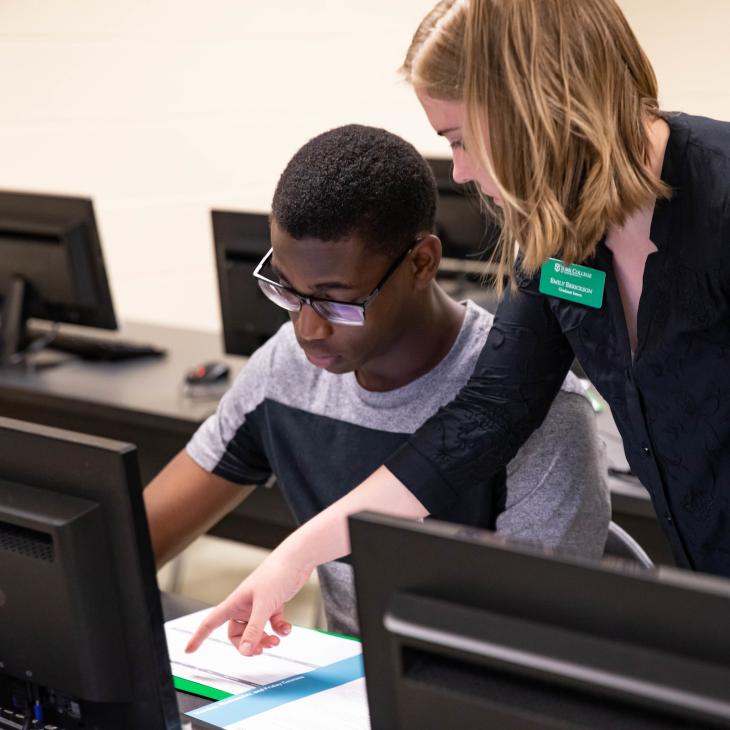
[621, 219]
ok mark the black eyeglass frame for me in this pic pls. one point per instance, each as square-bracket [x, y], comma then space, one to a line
[304, 299]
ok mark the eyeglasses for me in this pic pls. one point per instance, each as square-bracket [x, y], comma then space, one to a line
[351, 314]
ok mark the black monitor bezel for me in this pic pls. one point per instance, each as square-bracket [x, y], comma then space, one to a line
[68, 210]
[228, 227]
[480, 572]
[107, 472]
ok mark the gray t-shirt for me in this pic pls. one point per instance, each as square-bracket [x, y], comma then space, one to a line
[322, 434]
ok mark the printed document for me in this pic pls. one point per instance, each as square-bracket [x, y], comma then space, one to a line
[311, 680]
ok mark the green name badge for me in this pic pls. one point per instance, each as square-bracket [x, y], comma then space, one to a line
[575, 283]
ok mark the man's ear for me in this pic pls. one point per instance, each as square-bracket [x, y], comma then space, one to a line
[425, 260]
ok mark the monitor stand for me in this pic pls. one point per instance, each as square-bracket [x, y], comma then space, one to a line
[12, 319]
[19, 345]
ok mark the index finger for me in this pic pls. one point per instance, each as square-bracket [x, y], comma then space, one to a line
[215, 618]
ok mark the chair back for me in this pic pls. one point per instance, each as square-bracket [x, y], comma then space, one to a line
[619, 544]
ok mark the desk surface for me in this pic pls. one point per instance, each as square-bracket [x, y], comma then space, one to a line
[141, 402]
[147, 388]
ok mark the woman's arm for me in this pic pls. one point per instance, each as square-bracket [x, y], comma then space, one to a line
[261, 596]
[326, 537]
[518, 374]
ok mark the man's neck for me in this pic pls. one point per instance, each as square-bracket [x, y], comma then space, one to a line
[426, 342]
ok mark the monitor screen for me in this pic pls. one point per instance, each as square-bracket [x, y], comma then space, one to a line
[249, 318]
[81, 636]
[462, 629]
[51, 265]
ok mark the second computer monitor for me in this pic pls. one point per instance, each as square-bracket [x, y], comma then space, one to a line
[466, 232]
[461, 629]
[249, 318]
[51, 266]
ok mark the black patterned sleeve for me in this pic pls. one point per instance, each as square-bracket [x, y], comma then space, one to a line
[518, 374]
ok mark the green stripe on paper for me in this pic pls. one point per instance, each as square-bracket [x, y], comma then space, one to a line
[201, 690]
[339, 636]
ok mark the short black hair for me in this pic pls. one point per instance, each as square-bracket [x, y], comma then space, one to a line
[357, 181]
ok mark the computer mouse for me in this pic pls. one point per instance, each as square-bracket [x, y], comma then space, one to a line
[208, 373]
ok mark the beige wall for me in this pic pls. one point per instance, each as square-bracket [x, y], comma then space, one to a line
[160, 110]
[687, 41]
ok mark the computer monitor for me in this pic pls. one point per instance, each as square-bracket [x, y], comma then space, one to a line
[464, 229]
[81, 629]
[461, 629]
[249, 318]
[51, 266]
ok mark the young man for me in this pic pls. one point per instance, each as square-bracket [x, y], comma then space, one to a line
[375, 346]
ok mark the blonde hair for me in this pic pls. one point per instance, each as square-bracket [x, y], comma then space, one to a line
[557, 95]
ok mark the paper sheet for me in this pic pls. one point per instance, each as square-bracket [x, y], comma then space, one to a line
[310, 680]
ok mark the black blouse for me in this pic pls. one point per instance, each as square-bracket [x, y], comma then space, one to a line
[671, 402]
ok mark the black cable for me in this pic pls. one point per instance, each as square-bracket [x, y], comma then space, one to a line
[28, 720]
[34, 711]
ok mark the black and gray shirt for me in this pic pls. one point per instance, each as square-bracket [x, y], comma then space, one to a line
[321, 434]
